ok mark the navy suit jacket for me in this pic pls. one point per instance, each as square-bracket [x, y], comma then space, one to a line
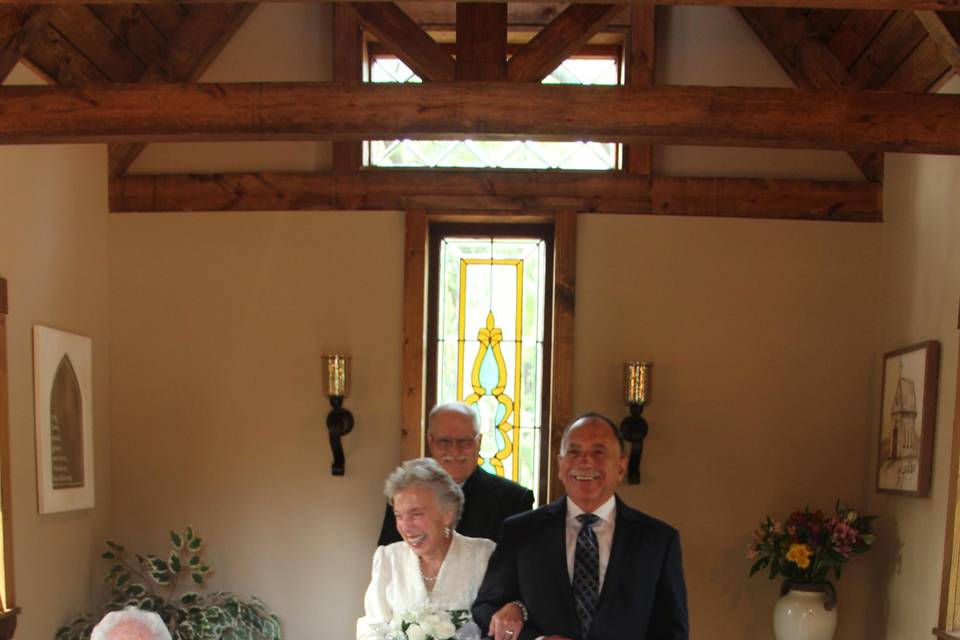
[643, 595]
[488, 500]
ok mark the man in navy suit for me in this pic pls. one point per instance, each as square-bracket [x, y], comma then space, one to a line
[586, 567]
[453, 434]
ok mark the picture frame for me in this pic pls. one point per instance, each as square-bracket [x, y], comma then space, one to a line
[63, 403]
[908, 415]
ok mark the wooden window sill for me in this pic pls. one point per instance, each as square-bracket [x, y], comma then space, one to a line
[946, 635]
[8, 623]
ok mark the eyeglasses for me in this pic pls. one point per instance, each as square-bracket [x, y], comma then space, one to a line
[445, 444]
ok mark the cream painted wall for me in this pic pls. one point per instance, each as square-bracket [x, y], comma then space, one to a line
[53, 253]
[762, 336]
[921, 291]
[219, 322]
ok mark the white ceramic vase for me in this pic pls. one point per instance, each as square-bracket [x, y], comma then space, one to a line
[801, 615]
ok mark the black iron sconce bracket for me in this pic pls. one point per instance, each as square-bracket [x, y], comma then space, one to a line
[339, 423]
[634, 429]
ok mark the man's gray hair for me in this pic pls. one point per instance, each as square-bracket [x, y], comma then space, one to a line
[599, 417]
[131, 622]
[455, 407]
[426, 472]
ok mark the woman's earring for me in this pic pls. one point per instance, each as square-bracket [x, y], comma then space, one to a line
[446, 531]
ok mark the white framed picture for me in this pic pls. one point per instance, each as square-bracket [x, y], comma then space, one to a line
[63, 399]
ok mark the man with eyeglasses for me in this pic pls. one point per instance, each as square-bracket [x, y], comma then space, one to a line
[453, 437]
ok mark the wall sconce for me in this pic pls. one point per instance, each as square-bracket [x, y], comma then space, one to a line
[636, 393]
[339, 420]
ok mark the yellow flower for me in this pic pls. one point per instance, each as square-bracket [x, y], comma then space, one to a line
[799, 555]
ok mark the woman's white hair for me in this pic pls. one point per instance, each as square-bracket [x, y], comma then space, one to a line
[131, 624]
[426, 472]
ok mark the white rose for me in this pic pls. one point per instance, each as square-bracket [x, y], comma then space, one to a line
[414, 632]
[429, 624]
[444, 629]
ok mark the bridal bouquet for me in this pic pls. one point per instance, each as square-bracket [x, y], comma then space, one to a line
[428, 623]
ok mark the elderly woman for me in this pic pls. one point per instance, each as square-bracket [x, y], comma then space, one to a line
[433, 566]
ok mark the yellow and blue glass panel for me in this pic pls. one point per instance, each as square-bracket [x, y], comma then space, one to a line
[490, 345]
[503, 154]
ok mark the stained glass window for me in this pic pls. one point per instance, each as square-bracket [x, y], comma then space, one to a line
[504, 154]
[488, 338]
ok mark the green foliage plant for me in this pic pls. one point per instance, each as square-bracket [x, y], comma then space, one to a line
[156, 584]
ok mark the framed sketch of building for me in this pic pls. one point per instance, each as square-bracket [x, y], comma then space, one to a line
[908, 413]
[63, 397]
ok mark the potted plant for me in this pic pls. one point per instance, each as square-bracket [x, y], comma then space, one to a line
[805, 551]
[171, 587]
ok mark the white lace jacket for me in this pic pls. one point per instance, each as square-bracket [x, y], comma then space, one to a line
[396, 585]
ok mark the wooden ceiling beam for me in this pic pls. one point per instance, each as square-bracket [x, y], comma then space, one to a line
[902, 33]
[414, 46]
[195, 45]
[943, 36]
[712, 116]
[99, 45]
[347, 67]
[20, 26]
[130, 24]
[481, 41]
[556, 41]
[809, 62]
[520, 15]
[639, 60]
[60, 62]
[937, 5]
[856, 32]
[501, 191]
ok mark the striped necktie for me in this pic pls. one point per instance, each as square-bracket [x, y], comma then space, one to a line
[586, 572]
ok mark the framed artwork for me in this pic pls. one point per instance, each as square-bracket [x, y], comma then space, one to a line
[908, 414]
[63, 397]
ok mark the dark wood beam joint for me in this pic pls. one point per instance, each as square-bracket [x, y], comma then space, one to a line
[567, 33]
[414, 46]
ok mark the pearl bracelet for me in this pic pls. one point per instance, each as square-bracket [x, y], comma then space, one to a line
[523, 609]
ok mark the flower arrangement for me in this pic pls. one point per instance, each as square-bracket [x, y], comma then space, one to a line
[810, 545]
[150, 583]
[427, 623]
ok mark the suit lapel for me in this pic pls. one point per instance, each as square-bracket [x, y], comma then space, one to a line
[623, 539]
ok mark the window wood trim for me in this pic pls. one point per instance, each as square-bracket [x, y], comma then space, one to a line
[951, 554]
[8, 610]
[417, 231]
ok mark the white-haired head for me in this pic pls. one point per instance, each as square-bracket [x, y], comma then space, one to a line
[131, 624]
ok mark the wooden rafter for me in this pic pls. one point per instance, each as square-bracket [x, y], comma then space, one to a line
[555, 42]
[412, 45]
[131, 26]
[347, 67]
[638, 159]
[938, 5]
[855, 33]
[20, 26]
[60, 62]
[505, 191]
[84, 30]
[903, 32]
[809, 62]
[719, 116]
[199, 40]
[943, 36]
[481, 41]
